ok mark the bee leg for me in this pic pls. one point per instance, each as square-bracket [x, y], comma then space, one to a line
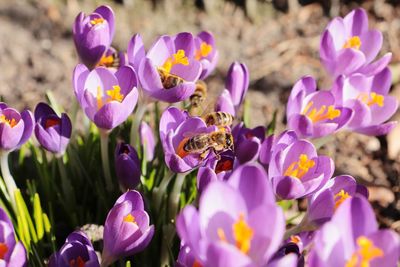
[203, 155]
[216, 153]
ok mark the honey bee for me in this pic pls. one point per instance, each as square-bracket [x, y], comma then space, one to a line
[111, 61]
[218, 118]
[169, 80]
[199, 94]
[217, 141]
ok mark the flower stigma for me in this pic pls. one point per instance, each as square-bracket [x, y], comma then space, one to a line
[317, 115]
[78, 262]
[353, 42]
[205, 50]
[300, 168]
[3, 250]
[366, 253]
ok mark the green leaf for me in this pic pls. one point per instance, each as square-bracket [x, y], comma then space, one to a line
[128, 264]
[285, 204]
[271, 126]
[46, 223]
[246, 112]
[37, 215]
[25, 217]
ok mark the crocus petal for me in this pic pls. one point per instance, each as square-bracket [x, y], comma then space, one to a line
[136, 51]
[356, 22]
[377, 130]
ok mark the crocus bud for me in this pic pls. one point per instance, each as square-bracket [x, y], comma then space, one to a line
[147, 139]
[237, 82]
[15, 127]
[126, 230]
[224, 103]
[76, 251]
[12, 253]
[127, 166]
[136, 51]
[93, 35]
[52, 132]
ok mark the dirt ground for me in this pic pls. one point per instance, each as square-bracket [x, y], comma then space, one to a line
[37, 55]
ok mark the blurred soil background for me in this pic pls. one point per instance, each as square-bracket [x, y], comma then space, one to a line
[278, 40]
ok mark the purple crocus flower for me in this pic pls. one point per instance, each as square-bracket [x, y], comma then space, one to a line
[77, 251]
[12, 253]
[237, 82]
[93, 35]
[136, 51]
[127, 229]
[176, 128]
[170, 55]
[147, 140]
[348, 46]
[297, 171]
[248, 142]
[327, 200]
[368, 97]
[15, 128]
[186, 258]
[313, 113]
[238, 222]
[107, 98]
[52, 132]
[225, 103]
[127, 166]
[352, 239]
[206, 52]
[274, 143]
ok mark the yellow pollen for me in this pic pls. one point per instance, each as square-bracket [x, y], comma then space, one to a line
[372, 98]
[243, 234]
[130, 219]
[205, 50]
[295, 239]
[177, 58]
[299, 168]
[112, 95]
[317, 115]
[366, 252]
[11, 122]
[340, 198]
[115, 94]
[221, 235]
[96, 21]
[106, 61]
[353, 42]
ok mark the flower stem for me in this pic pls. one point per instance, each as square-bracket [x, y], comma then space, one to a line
[66, 185]
[174, 198]
[137, 118]
[105, 160]
[8, 179]
[159, 191]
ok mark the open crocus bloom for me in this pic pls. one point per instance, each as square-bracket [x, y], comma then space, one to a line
[15, 127]
[176, 128]
[206, 53]
[93, 35]
[323, 204]
[169, 70]
[107, 98]
[313, 113]
[297, 171]
[238, 222]
[352, 239]
[76, 252]
[368, 97]
[348, 46]
[127, 229]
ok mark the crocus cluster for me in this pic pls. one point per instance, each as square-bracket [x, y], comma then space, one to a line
[244, 175]
[358, 100]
